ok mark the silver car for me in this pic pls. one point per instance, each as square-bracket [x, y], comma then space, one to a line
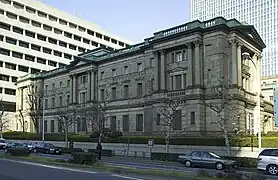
[268, 161]
[205, 159]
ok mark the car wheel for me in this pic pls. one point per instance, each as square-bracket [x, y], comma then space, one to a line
[187, 163]
[219, 166]
[272, 169]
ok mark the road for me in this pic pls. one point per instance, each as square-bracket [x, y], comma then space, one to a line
[13, 170]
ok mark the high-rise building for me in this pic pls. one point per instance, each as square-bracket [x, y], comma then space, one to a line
[35, 37]
[263, 14]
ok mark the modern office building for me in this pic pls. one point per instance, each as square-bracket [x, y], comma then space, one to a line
[263, 14]
[134, 89]
[35, 37]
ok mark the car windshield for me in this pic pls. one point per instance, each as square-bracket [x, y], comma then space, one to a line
[215, 155]
[49, 145]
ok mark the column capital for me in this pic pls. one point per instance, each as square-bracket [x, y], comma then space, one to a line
[189, 45]
[162, 51]
[233, 41]
[197, 42]
[259, 56]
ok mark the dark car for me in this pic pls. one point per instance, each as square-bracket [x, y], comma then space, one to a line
[17, 148]
[46, 148]
[205, 159]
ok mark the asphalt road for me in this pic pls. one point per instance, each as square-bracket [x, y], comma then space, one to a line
[13, 170]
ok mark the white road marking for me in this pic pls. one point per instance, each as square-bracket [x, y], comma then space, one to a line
[52, 167]
[126, 177]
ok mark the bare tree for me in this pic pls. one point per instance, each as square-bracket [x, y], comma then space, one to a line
[34, 102]
[99, 114]
[21, 119]
[66, 119]
[3, 119]
[169, 115]
[226, 111]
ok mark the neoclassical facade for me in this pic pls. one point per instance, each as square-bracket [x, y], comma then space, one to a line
[185, 62]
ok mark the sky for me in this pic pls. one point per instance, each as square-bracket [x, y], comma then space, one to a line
[130, 19]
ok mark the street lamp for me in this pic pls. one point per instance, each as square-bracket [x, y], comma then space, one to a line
[246, 55]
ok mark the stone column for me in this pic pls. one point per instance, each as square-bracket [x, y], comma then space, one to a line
[239, 65]
[156, 72]
[182, 81]
[171, 83]
[162, 70]
[244, 83]
[234, 63]
[71, 89]
[92, 85]
[174, 83]
[190, 65]
[74, 95]
[197, 63]
[89, 86]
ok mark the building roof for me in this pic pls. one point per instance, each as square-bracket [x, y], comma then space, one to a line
[101, 55]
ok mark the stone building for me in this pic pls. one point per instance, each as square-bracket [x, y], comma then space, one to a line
[186, 62]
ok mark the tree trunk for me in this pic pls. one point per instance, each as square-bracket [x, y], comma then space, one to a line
[100, 136]
[167, 141]
[1, 132]
[66, 138]
[227, 142]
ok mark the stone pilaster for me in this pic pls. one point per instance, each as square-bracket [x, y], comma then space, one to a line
[239, 65]
[74, 95]
[197, 63]
[190, 65]
[162, 70]
[71, 89]
[89, 86]
[92, 81]
[234, 62]
[156, 72]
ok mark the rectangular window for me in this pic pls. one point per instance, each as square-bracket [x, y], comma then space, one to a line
[63, 44]
[45, 103]
[80, 49]
[98, 35]
[139, 122]
[102, 75]
[114, 93]
[126, 92]
[11, 15]
[29, 58]
[178, 56]
[5, 26]
[78, 38]
[17, 30]
[23, 68]
[139, 67]
[14, 79]
[23, 44]
[34, 71]
[113, 123]
[47, 28]
[11, 40]
[41, 60]
[10, 91]
[17, 55]
[73, 47]
[52, 126]
[45, 126]
[35, 47]
[184, 81]
[53, 102]
[90, 32]
[29, 34]
[61, 83]
[46, 50]
[113, 72]
[24, 20]
[87, 41]
[36, 23]
[125, 123]
[52, 63]
[178, 82]
[139, 90]
[57, 53]
[192, 117]
[67, 56]
[177, 120]
[52, 41]
[41, 37]
[4, 51]
[102, 94]
[158, 119]
[60, 101]
[4, 78]
[126, 70]
[10, 66]
[68, 99]
[58, 31]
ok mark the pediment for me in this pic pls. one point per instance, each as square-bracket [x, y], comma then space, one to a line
[253, 34]
[177, 69]
[78, 62]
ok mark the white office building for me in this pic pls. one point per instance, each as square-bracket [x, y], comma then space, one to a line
[263, 14]
[35, 37]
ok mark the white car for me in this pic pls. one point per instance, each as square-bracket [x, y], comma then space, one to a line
[3, 143]
[268, 161]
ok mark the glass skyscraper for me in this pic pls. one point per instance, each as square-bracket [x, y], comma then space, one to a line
[263, 14]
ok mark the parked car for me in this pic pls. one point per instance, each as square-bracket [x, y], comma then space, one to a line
[30, 146]
[46, 148]
[3, 143]
[268, 161]
[15, 148]
[205, 159]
